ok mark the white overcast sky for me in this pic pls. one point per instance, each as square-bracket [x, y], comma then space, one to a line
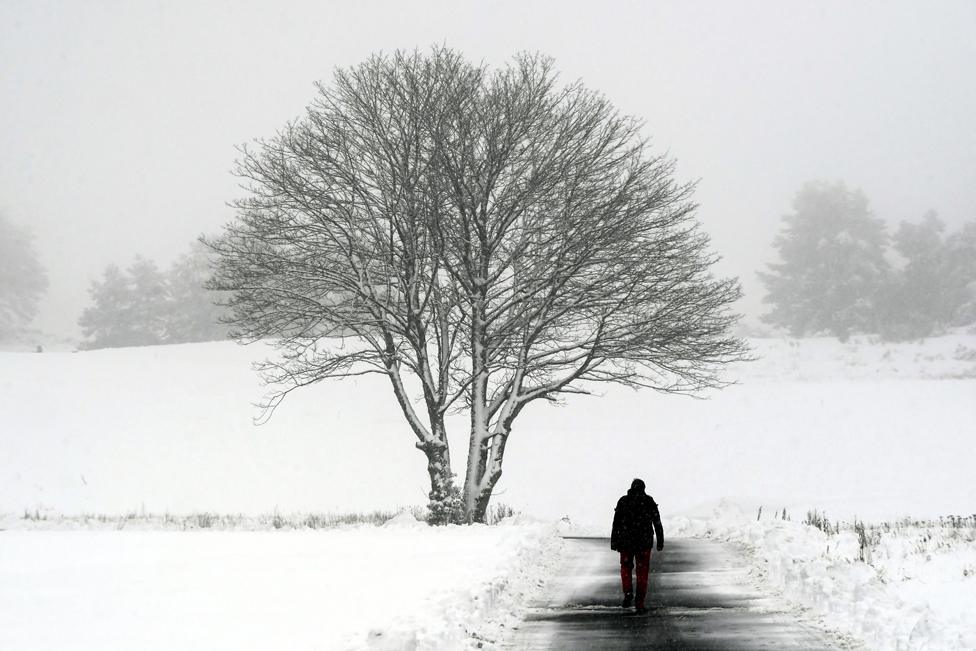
[118, 120]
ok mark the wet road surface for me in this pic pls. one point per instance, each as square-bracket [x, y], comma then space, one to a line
[699, 597]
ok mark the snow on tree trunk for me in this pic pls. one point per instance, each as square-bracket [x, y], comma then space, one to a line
[445, 499]
[478, 442]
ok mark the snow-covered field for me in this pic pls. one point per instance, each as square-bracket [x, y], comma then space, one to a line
[400, 586]
[876, 431]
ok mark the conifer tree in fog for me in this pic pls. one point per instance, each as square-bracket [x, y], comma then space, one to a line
[193, 312]
[832, 267]
[22, 280]
[960, 250]
[143, 306]
[483, 240]
[934, 287]
[128, 307]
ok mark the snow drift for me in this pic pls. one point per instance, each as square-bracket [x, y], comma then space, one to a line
[914, 591]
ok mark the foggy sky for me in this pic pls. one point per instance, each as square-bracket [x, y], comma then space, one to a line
[118, 120]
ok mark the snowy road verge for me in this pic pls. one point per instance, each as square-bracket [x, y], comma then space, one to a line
[403, 586]
[916, 592]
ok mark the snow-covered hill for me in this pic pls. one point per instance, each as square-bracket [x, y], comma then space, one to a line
[874, 430]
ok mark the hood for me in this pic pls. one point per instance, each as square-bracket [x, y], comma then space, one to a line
[636, 487]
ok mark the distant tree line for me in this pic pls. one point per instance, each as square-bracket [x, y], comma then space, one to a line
[841, 273]
[23, 280]
[142, 305]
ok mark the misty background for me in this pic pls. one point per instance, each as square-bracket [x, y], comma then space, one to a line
[119, 121]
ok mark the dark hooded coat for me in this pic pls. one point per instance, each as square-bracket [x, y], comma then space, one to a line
[636, 520]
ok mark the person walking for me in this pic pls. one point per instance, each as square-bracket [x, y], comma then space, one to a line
[636, 520]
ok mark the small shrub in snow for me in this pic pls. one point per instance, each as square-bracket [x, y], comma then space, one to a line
[498, 512]
[958, 521]
[964, 354]
[36, 516]
[867, 538]
[819, 520]
[447, 508]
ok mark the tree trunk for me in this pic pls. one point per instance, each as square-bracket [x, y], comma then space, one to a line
[477, 453]
[445, 499]
[478, 442]
[480, 498]
[481, 504]
[477, 461]
[490, 472]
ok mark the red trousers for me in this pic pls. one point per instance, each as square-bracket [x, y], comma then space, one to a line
[643, 559]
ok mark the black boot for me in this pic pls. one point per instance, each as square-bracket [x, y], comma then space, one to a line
[628, 599]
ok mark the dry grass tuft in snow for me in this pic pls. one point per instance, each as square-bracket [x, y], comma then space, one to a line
[46, 519]
[38, 519]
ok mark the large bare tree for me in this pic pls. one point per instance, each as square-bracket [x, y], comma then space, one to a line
[482, 239]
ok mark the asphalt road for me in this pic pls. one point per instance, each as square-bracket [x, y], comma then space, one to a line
[700, 596]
